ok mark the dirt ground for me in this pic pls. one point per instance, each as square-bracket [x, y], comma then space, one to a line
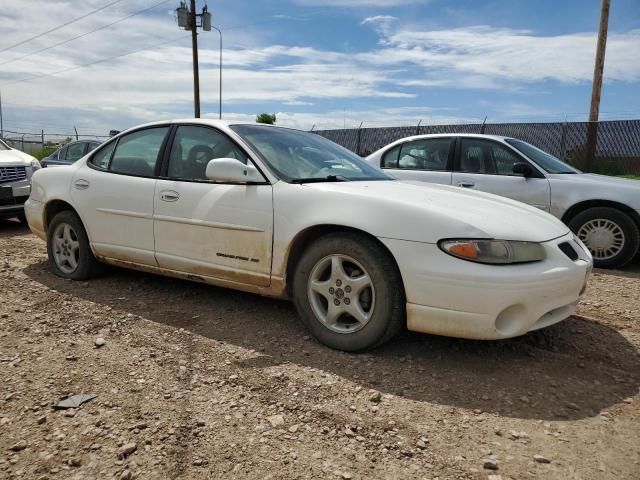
[200, 382]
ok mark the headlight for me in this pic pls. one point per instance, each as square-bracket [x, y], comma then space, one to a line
[33, 166]
[498, 252]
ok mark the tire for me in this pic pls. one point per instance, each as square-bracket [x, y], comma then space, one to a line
[379, 306]
[67, 239]
[602, 226]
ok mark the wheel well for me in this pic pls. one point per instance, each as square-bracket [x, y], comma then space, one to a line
[310, 235]
[53, 208]
[582, 206]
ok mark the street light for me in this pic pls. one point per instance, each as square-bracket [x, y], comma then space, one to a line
[188, 19]
[219, 74]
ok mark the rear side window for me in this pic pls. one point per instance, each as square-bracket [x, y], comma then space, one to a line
[102, 157]
[390, 158]
[137, 152]
[75, 151]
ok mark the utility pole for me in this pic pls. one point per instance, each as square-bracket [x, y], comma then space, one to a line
[219, 75]
[194, 51]
[1, 124]
[594, 112]
[188, 19]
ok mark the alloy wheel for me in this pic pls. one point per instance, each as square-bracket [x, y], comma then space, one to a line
[341, 293]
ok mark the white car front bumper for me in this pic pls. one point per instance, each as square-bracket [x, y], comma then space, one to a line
[453, 297]
[34, 211]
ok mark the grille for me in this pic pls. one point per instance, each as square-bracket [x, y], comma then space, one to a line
[12, 201]
[568, 250]
[12, 174]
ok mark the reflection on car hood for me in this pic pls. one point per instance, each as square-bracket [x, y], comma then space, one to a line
[428, 212]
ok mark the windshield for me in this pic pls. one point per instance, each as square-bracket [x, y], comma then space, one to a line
[4, 146]
[297, 156]
[544, 160]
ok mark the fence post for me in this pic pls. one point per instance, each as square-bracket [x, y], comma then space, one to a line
[42, 138]
[359, 138]
[483, 123]
[563, 141]
[418, 127]
[76, 132]
[22, 143]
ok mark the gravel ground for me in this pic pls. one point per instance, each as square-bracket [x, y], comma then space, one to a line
[200, 382]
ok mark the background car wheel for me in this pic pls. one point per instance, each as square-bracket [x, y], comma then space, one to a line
[68, 248]
[611, 235]
[349, 293]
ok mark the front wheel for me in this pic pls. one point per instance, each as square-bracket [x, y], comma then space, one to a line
[68, 248]
[349, 293]
[610, 235]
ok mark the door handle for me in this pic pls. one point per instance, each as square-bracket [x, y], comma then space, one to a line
[169, 196]
[81, 184]
[466, 184]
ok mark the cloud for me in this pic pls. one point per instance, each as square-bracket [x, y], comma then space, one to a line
[498, 54]
[157, 82]
[379, 19]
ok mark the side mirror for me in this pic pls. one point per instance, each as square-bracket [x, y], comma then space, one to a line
[232, 171]
[523, 169]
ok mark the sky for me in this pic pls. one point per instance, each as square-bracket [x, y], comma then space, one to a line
[315, 63]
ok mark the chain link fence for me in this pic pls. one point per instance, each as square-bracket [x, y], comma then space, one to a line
[617, 150]
[34, 143]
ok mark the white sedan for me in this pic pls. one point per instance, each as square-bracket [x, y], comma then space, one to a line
[603, 211]
[289, 214]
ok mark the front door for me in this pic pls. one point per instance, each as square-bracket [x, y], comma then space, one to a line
[114, 194]
[211, 229]
[487, 165]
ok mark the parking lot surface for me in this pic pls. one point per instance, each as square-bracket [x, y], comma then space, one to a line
[201, 382]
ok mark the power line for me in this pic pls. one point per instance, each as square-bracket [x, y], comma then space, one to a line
[59, 26]
[51, 74]
[84, 34]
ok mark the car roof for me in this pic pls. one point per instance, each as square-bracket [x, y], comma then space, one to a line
[440, 135]
[200, 121]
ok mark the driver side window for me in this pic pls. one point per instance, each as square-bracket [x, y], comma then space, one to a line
[194, 146]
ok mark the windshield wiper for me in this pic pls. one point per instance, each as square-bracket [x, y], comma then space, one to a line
[328, 178]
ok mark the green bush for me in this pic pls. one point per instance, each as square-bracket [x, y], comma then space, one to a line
[44, 152]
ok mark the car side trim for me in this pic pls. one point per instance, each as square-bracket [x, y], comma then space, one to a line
[124, 213]
[190, 221]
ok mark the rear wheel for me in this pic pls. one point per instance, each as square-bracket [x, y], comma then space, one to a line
[348, 292]
[68, 248]
[611, 236]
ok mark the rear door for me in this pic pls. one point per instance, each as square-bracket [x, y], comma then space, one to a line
[114, 192]
[487, 165]
[425, 160]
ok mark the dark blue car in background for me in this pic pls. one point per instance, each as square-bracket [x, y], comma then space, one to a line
[69, 153]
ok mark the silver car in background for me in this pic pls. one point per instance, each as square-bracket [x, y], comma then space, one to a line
[603, 211]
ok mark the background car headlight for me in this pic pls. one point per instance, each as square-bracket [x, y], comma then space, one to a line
[498, 252]
[33, 166]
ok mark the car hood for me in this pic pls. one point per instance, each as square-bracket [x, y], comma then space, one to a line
[600, 180]
[11, 158]
[428, 212]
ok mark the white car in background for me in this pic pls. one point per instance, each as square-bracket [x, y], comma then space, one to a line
[290, 214]
[603, 211]
[16, 168]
